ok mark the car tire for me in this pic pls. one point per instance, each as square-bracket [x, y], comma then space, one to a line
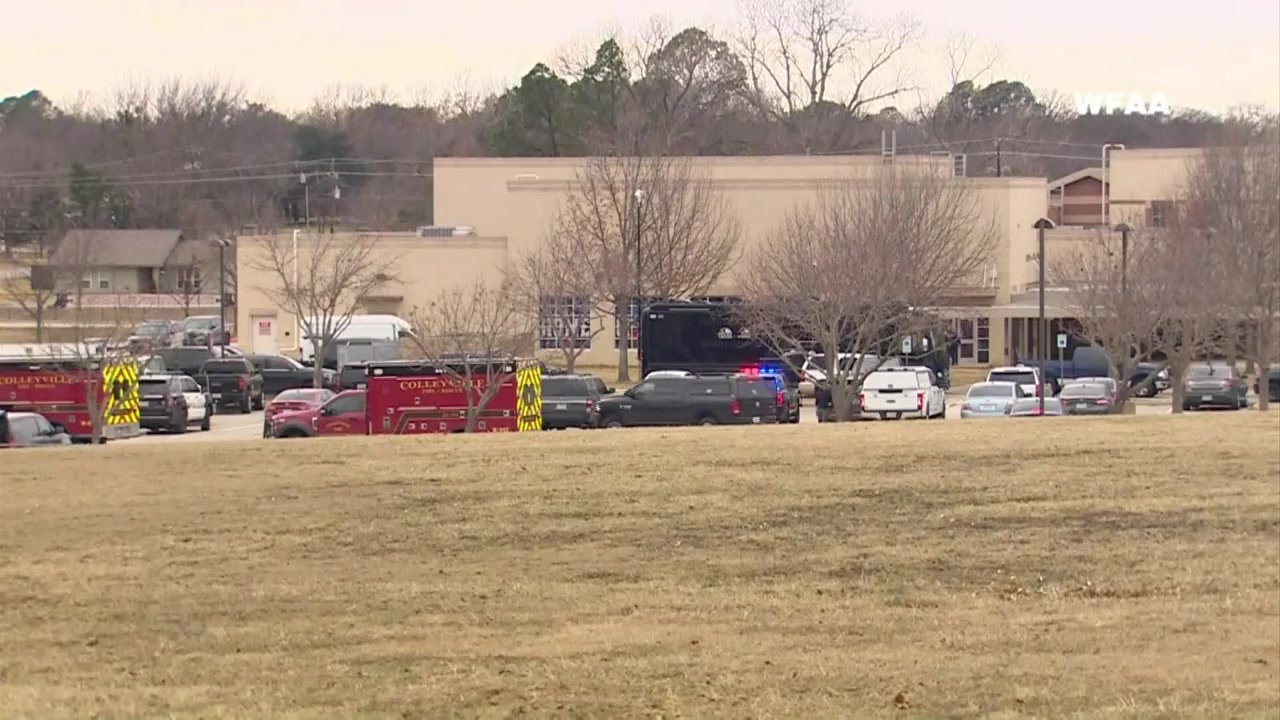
[705, 420]
[180, 427]
[794, 419]
[259, 403]
[206, 423]
[246, 405]
[610, 422]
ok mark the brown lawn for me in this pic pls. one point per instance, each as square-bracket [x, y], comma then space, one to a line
[1119, 567]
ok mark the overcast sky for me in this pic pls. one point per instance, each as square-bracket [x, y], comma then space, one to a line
[1206, 55]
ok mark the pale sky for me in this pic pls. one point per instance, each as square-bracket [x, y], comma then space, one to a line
[1206, 55]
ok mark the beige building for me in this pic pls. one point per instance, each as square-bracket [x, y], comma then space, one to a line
[502, 207]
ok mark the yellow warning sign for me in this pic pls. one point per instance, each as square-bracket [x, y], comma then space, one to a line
[529, 397]
[120, 389]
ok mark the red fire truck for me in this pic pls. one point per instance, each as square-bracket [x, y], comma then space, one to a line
[59, 390]
[408, 398]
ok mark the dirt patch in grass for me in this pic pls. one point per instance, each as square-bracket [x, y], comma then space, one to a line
[1113, 567]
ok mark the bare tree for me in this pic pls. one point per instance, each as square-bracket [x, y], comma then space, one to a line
[322, 279]
[856, 270]
[648, 226]
[1113, 297]
[99, 336]
[550, 283]
[807, 57]
[31, 285]
[1233, 189]
[1193, 293]
[474, 334]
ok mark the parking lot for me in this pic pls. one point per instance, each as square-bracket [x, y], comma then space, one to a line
[234, 426]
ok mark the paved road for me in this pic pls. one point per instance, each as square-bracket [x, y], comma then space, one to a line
[235, 426]
[230, 426]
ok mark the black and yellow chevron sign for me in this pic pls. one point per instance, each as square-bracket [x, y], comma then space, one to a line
[120, 388]
[529, 398]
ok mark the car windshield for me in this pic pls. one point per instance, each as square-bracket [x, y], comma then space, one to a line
[991, 391]
[152, 329]
[1021, 377]
[301, 395]
[1083, 390]
[1216, 371]
[153, 386]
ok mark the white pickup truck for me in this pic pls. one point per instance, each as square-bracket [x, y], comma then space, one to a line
[903, 393]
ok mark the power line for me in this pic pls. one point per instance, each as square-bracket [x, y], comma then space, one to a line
[226, 179]
[304, 166]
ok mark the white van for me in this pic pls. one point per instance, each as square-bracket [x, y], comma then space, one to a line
[903, 392]
[361, 327]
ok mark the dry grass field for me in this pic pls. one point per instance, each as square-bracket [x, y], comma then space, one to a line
[1120, 567]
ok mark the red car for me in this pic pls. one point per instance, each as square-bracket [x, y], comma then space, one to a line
[290, 401]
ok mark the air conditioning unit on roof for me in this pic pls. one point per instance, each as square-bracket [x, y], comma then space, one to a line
[446, 231]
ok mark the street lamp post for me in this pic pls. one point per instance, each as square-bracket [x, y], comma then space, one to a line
[639, 204]
[223, 242]
[1124, 230]
[1042, 342]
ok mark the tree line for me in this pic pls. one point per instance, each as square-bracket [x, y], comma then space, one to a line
[792, 77]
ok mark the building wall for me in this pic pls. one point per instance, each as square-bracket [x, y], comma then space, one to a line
[1140, 177]
[1078, 203]
[511, 203]
[425, 267]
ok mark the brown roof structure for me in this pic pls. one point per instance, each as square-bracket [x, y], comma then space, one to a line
[116, 248]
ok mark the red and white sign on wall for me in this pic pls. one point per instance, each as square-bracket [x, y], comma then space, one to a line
[146, 300]
[264, 327]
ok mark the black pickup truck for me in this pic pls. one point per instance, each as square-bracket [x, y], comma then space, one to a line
[280, 373]
[232, 382]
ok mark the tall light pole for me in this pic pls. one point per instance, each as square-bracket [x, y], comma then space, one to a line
[1042, 341]
[306, 198]
[223, 242]
[639, 204]
[1124, 230]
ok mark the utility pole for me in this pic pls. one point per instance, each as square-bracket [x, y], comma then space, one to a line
[999, 166]
[1124, 230]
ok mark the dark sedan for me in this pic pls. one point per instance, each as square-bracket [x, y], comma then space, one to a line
[1084, 398]
[1214, 386]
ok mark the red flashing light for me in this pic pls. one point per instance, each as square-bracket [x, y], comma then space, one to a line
[1101, 402]
[920, 402]
[751, 371]
[782, 398]
[736, 408]
[241, 382]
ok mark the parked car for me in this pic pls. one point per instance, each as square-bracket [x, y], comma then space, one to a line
[172, 403]
[1087, 398]
[204, 330]
[569, 401]
[188, 359]
[352, 376]
[343, 414]
[728, 400]
[26, 429]
[1273, 385]
[280, 373]
[1113, 387]
[990, 399]
[295, 400]
[1086, 361]
[1024, 376]
[154, 334]
[669, 374]
[1030, 407]
[903, 393]
[1213, 385]
[233, 382]
[152, 365]
[1142, 371]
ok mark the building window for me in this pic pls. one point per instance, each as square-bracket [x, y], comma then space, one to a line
[564, 323]
[984, 340]
[1161, 213]
[189, 279]
[96, 280]
[633, 329]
